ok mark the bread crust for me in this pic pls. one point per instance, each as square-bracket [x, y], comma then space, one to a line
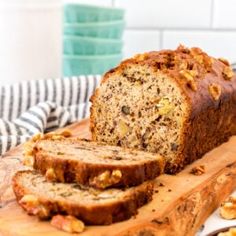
[100, 214]
[72, 170]
[210, 121]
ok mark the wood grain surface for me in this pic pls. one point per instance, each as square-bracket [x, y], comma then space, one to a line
[180, 205]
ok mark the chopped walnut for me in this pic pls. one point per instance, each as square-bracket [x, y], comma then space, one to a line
[227, 73]
[230, 232]
[28, 148]
[31, 203]
[183, 49]
[106, 179]
[223, 60]
[215, 91]
[37, 137]
[199, 58]
[228, 208]
[123, 128]
[50, 175]
[68, 224]
[28, 160]
[164, 106]
[140, 57]
[189, 75]
[57, 135]
[66, 133]
[183, 65]
[198, 170]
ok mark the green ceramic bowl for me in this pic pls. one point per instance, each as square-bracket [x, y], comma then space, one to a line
[108, 29]
[86, 13]
[87, 65]
[78, 45]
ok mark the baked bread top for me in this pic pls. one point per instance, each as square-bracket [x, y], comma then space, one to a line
[98, 165]
[45, 199]
[198, 74]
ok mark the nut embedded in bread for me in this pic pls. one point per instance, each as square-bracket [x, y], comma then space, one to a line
[98, 165]
[179, 103]
[90, 205]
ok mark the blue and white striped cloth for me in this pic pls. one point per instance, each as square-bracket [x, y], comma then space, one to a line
[31, 107]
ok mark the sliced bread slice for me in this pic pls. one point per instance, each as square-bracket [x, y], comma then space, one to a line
[45, 199]
[98, 165]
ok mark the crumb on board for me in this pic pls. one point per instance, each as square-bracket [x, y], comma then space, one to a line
[198, 170]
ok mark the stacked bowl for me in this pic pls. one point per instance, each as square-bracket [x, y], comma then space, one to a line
[92, 39]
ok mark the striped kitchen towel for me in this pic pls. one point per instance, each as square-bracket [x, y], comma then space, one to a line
[31, 107]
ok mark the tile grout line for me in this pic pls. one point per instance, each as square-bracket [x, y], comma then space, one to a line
[113, 4]
[161, 39]
[212, 14]
[224, 30]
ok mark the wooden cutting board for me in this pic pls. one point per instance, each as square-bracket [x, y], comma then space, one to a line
[179, 207]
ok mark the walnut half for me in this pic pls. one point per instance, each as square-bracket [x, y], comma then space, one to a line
[50, 175]
[32, 205]
[106, 179]
[215, 91]
[227, 73]
[228, 208]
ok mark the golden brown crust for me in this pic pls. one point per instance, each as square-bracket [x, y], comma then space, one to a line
[101, 214]
[57, 168]
[211, 119]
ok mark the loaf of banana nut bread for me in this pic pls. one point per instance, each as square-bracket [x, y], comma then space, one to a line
[179, 103]
[46, 199]
[98, 165]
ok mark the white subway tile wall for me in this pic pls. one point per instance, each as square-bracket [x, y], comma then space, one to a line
[157, 24]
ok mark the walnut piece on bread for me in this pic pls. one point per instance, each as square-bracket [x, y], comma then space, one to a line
[31, 203]
[227, 73]
[215, 91]
[50, 175]
[106, 179]
[68, 223]
[28, 147]
[228, 208]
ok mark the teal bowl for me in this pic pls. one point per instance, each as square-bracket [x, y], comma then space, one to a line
[86, 13]
[108, 29]
[78, 45]
[89, 65]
